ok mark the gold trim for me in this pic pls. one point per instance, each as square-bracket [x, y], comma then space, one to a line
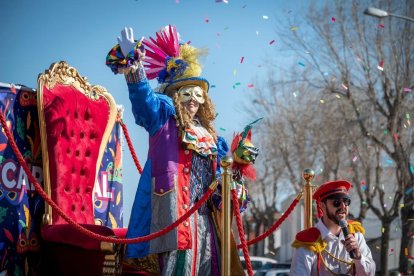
[66, 75]
[167, 192]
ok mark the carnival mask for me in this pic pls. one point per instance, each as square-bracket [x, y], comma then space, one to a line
[187, 92]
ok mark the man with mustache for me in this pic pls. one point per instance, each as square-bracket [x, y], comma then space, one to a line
[324, 249]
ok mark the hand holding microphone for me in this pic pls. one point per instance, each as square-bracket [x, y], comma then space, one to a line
[350, 242]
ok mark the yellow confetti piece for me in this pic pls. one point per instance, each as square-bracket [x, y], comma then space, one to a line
[382, 230]
[294, 28]
[402, 205]
[322, 101]
[337, 96]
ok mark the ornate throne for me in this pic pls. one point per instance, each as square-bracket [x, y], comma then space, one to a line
[76, 120]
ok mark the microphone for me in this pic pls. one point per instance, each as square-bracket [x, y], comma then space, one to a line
[344, 227]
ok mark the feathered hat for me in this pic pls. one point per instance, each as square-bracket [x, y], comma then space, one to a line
[171, 63]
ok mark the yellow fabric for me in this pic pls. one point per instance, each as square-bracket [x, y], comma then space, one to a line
[190, 55]
[317, 246]
[356, 226]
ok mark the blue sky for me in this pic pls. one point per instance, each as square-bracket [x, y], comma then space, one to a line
[34, 34]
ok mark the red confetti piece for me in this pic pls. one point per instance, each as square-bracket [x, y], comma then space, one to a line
[395, 136]
[250, 85]
[241, 61]
[381, 64]
[380, 25]
[271, 42]
[206, 20]
[333, 19]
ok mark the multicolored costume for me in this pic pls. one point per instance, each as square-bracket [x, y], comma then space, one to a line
[181, 164]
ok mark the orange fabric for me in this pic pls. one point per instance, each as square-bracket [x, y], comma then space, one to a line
[183, 197]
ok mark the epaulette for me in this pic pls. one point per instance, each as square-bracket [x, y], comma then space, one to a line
[310, 239]
[355, 226]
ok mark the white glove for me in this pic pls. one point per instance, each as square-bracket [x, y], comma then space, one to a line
[126, 41]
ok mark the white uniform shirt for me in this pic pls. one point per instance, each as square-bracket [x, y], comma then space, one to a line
[304, 262]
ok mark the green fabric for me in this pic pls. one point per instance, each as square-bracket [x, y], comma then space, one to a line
[180, 263]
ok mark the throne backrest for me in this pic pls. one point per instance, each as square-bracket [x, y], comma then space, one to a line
[76, 120]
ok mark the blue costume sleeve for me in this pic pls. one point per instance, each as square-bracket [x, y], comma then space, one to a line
[151, 110]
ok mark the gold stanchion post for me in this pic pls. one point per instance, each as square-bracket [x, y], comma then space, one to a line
[226, 214]
[308, 175]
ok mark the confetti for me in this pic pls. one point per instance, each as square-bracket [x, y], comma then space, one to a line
[223, 129]
[294, 28]
[241, 60]
[408, 191]
[206, 20]
[380, 25]
[226, 28]
[301, 64]
[344, 86]
[271, 42]
[237, 83]
[355, 158]
[336, 95]
[265, 17]
[333, 19]
[257, 33]
[213, 86]
[322, 101]
[244, 6]
[395, 136]
[294, 94]
[234, 72]
[407, 116]
[407, 89]
[381, 66]
[189, 42]
[250, 85]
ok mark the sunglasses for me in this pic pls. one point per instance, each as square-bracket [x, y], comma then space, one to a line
[337, 202]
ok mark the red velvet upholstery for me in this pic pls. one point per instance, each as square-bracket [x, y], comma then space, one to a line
[75, 122]
[75, 126]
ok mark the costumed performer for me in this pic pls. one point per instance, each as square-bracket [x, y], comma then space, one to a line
[183, 156]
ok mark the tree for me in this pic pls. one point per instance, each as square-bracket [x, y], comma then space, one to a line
[369, 65]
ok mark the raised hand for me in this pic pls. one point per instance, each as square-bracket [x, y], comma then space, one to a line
[126, 41]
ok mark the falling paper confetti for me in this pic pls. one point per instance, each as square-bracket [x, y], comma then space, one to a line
[380, 25]
[250, 85]
[213, 85]
[223, 129]
[301, 64]
[294, 28]
[234, 72]
[241, 60]
[206, 20]
[271, 42]
[408, 191]
[344, 86]
[395, 136]
[265, 17]
[407, 89]
[355, 158]
[333, 19]
[322, 101]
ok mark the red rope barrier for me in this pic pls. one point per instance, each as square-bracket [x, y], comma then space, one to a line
[236, 210]
[277, 223]
[78, 227]
[131, 147]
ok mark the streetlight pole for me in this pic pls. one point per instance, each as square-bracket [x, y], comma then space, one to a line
[381, 14]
